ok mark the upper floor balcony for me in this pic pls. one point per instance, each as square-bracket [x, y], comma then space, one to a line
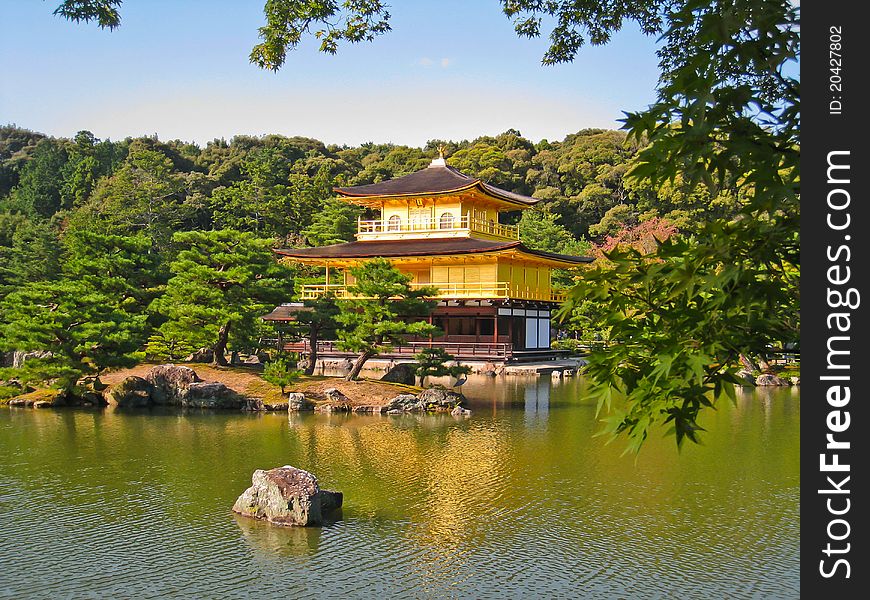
[496, 290]
[448, 225]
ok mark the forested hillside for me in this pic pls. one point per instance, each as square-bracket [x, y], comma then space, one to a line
[109, 246]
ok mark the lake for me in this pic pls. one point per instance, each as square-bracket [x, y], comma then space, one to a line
[518, 500]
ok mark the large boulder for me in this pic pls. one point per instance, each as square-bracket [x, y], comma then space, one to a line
[401, 373]
[210, 394]
[335, 395]
[170, 383]
[440, 399]
[335, 402]
[132, 391]
[203, 355]
[404, 403]
[287, 496]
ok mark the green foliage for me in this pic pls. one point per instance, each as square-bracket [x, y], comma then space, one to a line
[334, 224]
[119, 265]
[38, 192]
[431, 362]
[727, 116]
[385, 314]
[145, 195]
[271, 200]
[85, 326]
[29, 251]
[223, 281]
[579, 22]
[17, 146]
[574, 346]
[287, 22]
[161, 347]
[280, 372]
[91, 318]
[540, 230]
[104, 12]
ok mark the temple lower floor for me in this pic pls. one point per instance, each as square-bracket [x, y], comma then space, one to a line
[501, 330]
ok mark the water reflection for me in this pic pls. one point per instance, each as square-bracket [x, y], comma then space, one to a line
[518, 500]
[537, 401]
[271, 540]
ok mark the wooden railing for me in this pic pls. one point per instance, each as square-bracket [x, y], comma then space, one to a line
[465, 222]
[464, 291]
[457, 349]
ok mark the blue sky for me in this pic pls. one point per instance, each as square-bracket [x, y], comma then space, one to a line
[450, 69]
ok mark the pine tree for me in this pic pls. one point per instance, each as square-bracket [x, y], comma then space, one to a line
[380, 316]
[315, 322]
[223, 281]
[432, 362]
[336, 223]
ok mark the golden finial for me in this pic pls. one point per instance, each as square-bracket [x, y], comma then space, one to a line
[440, 161]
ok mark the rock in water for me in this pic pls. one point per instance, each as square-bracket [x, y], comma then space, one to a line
[401, 373]
[287, 496]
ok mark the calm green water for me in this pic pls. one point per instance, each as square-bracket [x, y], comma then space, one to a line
[517, 501]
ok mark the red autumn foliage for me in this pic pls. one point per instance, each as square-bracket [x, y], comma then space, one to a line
[642, 237]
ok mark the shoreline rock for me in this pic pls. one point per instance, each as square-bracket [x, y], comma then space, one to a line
[287, 496]
[770, 379]
[401, 373]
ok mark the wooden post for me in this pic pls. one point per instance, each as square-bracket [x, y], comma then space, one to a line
[511, 331]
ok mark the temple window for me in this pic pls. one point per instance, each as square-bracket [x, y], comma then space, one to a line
[395, 223]
[446, 221]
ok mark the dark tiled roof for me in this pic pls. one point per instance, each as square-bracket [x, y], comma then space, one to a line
[393, 248]
[435, 179]
[430, 247]
[555, 256]
[285, 312]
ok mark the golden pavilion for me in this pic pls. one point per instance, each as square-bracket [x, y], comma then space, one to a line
[441, 227]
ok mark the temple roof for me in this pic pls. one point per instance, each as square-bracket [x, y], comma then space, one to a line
[437, 178]
[286, 312]
[427, 247]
